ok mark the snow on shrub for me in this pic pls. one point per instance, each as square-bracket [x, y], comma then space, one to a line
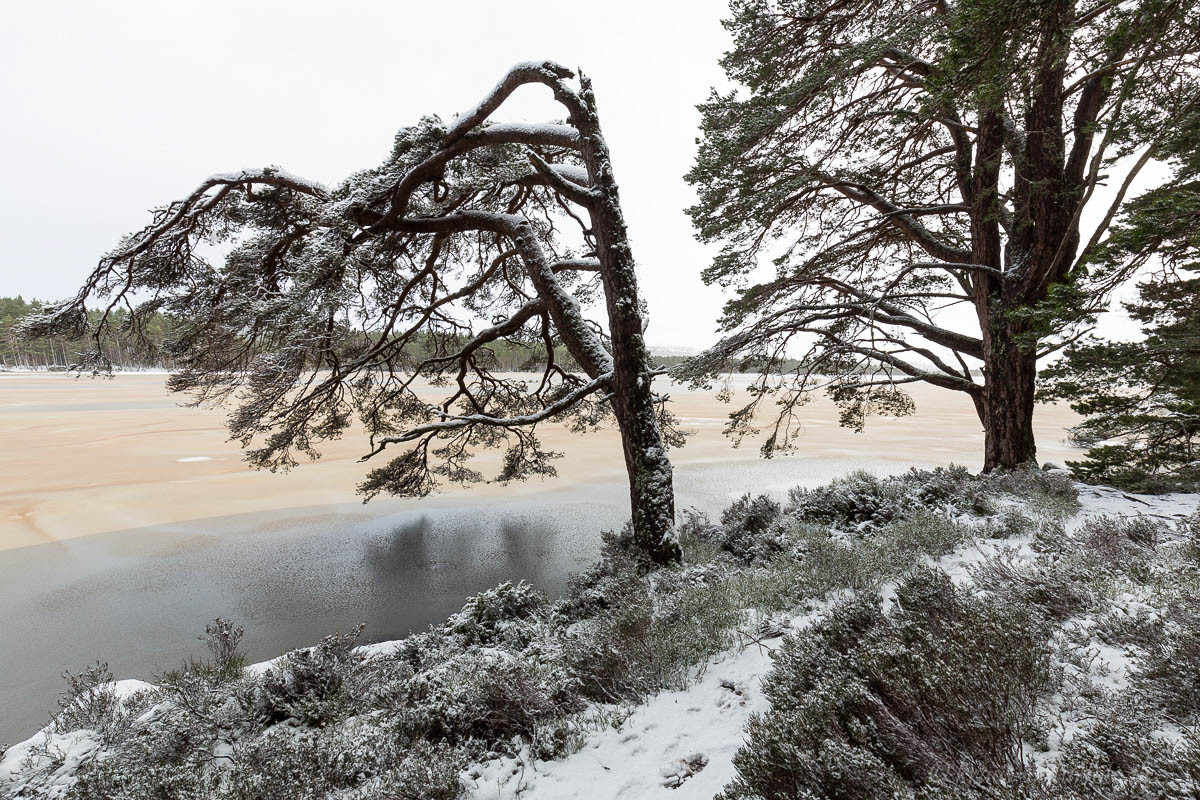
[940, 693]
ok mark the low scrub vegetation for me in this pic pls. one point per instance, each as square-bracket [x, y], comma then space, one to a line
[914, 683]
[940, 693]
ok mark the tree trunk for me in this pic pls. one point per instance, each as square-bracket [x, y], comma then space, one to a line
[651, 489]
[1006, 411]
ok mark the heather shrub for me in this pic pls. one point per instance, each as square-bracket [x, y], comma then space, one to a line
[1012, 523]
[607, 653]
[942, 692]
[859, 501]
[490, 695]
[917, 535]
[698, 537]
[687, 628]
[1120, 757]
[364, 760]
[496, 615]
[864, 704]
[1170, 672]
[1116, 544]
[1142, 628]
[124, 778]
[746, 530]
[1188, 531]
[863, 502]
[1029, 483]
[310, 686]
[224, 639]
[1058, 589]
[90, 702]
[1072, 570]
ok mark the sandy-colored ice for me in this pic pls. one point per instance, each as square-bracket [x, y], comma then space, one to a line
[84, 456]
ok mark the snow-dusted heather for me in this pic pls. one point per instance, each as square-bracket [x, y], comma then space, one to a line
[52, 757]
[681, 744]
[644, 687]
[678, 744]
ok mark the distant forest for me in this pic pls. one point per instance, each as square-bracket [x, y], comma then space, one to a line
[57, 353]
[60, 353]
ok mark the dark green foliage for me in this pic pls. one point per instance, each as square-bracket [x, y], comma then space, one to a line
[893, 159]
[1141, 399]
[938, 694]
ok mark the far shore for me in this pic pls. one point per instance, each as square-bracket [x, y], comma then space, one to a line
[88, 456]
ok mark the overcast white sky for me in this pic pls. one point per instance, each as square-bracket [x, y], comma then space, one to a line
[112, 108]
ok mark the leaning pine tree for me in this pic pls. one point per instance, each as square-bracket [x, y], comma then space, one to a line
[336, 305]
[921, 174]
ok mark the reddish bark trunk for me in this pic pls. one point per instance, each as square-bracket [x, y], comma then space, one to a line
[1006, 409]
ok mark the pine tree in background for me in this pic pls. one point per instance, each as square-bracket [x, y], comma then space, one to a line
[124, 345]
[1142, 399]
[920, 173]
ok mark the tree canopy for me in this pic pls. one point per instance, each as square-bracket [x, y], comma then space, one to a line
[918, 173]
[471, 233]
[1141, 399]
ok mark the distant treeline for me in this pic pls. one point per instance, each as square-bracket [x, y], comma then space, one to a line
[57, 352]
[126, 352]
[121, 348]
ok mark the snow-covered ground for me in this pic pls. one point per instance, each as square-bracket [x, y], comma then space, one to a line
[654, 749]
[679, 744]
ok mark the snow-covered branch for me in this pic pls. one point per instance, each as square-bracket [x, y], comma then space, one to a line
[451, 422]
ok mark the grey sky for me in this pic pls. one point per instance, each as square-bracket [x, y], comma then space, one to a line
[112, 108]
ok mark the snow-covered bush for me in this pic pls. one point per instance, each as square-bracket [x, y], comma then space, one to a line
[1058, 589]
[746, 528]
[224, 639]
[361, 761]
[607, 650]
[1121, 756]
[511, 674]
[1046, 490]
[310, 686]
[1171, 671]
[496, 615]
[863, 502]
[91, 703]
[939, 694]
[859, 501]
[489, 695]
